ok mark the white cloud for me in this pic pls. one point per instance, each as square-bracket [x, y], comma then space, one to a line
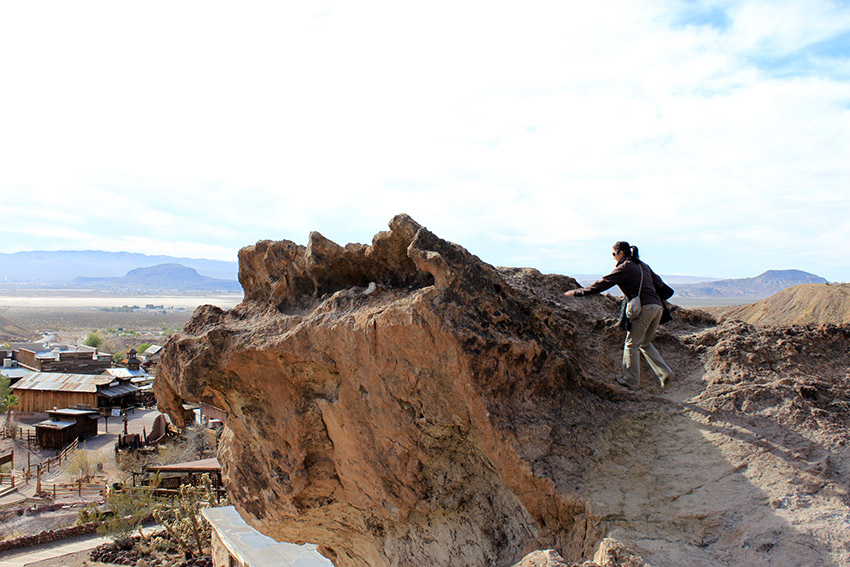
[549, 127]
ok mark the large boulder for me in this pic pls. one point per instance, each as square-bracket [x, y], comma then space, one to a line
[404, 403]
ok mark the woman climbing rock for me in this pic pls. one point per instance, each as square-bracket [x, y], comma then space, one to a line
[636, 279]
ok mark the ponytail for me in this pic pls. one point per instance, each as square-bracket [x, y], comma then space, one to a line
[625, 248]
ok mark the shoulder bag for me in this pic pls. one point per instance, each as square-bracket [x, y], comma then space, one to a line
[634, 307]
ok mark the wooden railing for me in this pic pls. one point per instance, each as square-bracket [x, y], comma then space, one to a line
[79, 488]
[54, 462]
[19, 432]
[13, 478]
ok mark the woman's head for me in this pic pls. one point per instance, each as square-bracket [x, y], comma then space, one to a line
[622, 250]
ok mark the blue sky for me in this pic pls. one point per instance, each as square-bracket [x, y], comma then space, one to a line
[714, 135]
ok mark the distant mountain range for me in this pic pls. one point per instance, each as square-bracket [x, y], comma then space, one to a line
[740, 290]
[163, 277]
[759, 287]
[96, 269]
[61, 268]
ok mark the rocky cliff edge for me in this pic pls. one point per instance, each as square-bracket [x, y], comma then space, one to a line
[404, 403]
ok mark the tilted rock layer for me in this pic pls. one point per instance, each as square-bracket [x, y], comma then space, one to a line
[405, 403]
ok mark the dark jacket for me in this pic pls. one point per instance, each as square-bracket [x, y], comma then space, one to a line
[627, 277]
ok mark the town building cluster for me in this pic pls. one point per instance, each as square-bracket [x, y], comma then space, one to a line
[70, 387]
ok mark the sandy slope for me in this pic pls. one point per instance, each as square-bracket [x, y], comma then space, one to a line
[725, 473]
[799, 305]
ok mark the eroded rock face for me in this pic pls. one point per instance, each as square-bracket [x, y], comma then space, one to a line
[392, 402]
[404, 403]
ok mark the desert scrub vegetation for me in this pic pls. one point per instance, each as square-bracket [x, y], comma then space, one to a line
[93, 339]
[84, 465]
[193, 443]
[126, 511]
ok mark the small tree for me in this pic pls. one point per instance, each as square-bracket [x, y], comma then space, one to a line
[143, 347]
[5, 385]
[8, 402]
[93, 339]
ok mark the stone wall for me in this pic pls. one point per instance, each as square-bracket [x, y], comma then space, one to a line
[47, 537]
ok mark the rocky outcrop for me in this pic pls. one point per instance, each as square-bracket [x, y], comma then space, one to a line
[404, 403]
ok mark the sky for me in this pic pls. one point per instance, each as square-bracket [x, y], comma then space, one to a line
[714, 135]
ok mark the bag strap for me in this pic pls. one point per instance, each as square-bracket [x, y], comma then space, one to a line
[640, 286]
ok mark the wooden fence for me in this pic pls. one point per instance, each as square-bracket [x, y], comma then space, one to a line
[79, 488]
[56, 490]
[63, 455]
[35, 470]
[19, 432]
[12, 478]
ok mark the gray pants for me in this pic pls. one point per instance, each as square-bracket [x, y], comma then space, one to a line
[639, 339]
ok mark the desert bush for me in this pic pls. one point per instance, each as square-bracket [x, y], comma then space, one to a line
[93, 339]
[194, 443]
[83, 465]
[126, 510]
[134, 461]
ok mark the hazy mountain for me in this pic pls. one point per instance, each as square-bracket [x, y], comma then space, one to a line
[163, 277]
[62, 267]
[799, 305]
[759, 287]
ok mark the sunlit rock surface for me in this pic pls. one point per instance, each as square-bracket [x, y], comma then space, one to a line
[404, 403]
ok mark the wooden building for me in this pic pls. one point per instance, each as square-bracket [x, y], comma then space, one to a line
[65, 425]
[77, 360]
[172, 477]
[40, 392]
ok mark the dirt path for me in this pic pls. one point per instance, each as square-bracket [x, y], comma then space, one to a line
[684, 486]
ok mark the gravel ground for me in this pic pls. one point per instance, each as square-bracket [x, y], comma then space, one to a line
[78, 559]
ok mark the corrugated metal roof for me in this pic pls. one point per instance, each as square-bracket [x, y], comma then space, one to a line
[125, 373]
[71, 411]
[56, 424]
[61, 382]
[121, 390]
[190, 466]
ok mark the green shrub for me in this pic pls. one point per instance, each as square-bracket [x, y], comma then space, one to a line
[93, 339]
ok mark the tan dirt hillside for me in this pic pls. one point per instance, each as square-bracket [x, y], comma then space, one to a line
[10, 332]
[807, 304]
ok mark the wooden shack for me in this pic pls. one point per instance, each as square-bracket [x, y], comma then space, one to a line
[44, 391]
[65, 425]
[171, 477]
